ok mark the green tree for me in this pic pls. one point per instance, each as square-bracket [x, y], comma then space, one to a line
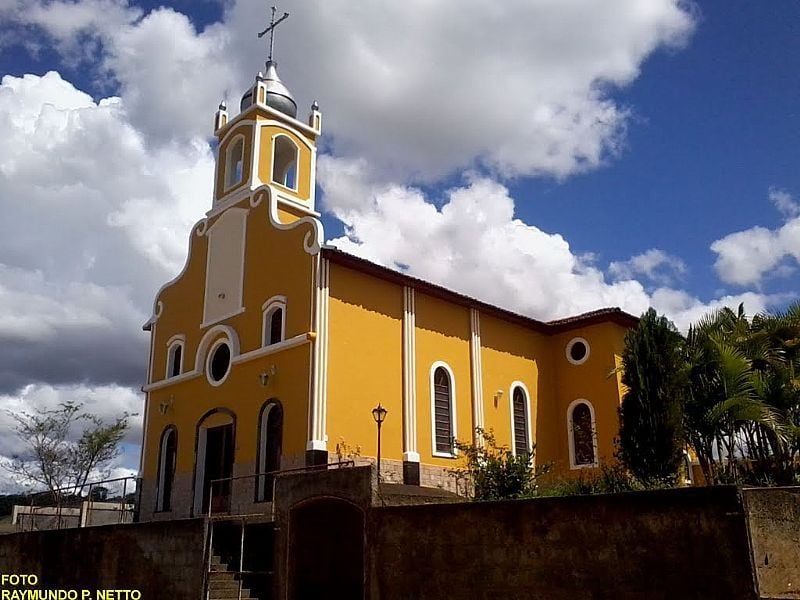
[651, 441]
[742, 395]
[494, 472]
[55, 455]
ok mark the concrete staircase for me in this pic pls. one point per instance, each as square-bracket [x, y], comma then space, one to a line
[223, 584]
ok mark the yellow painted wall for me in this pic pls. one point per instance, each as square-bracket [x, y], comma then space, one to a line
[275, 264]
[511, 353]
[246, 131]
[365, 341]
[442, 334]
[304, 160]
[594, 381]
[242, 393]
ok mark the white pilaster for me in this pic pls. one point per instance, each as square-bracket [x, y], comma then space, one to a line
[476, 371]
[317, 438]
[410, 453]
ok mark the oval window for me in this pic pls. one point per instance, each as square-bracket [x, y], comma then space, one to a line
[577, 351]
[220, 362]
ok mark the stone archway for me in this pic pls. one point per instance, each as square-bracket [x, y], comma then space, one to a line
[326, 549]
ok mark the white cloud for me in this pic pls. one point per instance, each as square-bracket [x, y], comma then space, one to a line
[746, 257]
[654, 264]
[473, 244]
[784, 202]
[80, 257]
[105, 402]
[422, 88]
[684, 309]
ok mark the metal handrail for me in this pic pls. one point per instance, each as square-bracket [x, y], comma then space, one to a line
[242, 518]
[59, 495]
[325, 466]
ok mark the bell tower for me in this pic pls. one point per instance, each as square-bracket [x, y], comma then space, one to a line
[266, 145]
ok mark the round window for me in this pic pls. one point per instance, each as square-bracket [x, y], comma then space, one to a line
[577, 351]
[219, 363]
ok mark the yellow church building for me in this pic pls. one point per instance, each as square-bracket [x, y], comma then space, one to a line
[270, 349]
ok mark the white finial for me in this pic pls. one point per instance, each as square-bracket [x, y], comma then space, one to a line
[315, 105]
[223, 106]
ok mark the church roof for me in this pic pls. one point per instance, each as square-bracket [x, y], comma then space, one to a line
[603, 315]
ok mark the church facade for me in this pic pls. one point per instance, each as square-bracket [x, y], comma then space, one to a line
[270, 350]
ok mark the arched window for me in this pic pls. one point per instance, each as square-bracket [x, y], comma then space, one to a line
[443, 410]
[582, 435]
[234, 163]
[175, 357]
[166, 468]
[273, 321]
[270, 439]
[520, 420]
[284, 162]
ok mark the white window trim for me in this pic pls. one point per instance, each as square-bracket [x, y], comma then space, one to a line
[453, 420]
[209, 356]
[568, 349]
[514, 385]
[266, 311]
[165, 434]
[261, 492]
[570, 437]
[175, 340]
[228, 185]
[296, 163]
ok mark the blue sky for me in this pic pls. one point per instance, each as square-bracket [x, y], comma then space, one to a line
[718, 125]
[548, 157]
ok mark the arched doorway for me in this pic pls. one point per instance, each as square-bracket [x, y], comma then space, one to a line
[326, 549]
[214, 458]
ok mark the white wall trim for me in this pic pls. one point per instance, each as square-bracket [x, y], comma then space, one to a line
[267, 309]
[198, 229]
[226, 187]
[453, 415]
[568, 348]
[311, 241]
[217, 343]
[241, 358]
[210, 336]
[234, 217]
[279, 118]
[476, 368]
[172, 343]
[231, 200]
[570, 438]
[409, 376]
[261, 463]
[317, 434]
[165, 434]
[512, 387]
[273, 142]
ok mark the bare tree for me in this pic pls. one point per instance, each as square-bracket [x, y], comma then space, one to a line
[54, 457]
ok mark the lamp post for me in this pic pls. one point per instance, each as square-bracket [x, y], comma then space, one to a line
[379, 414]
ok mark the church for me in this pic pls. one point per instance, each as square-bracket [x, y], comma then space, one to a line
[270, 350]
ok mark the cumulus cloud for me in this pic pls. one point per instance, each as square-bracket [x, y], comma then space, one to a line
[475, 245]
[81, 258]
[106, 402]
[423, 88]
[746, 257]
[654, 264]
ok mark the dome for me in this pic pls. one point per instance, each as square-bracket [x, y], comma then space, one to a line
[278, 96]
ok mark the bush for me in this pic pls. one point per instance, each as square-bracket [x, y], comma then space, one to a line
[493, 472]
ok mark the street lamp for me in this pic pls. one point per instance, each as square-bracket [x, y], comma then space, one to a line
[379, 414]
